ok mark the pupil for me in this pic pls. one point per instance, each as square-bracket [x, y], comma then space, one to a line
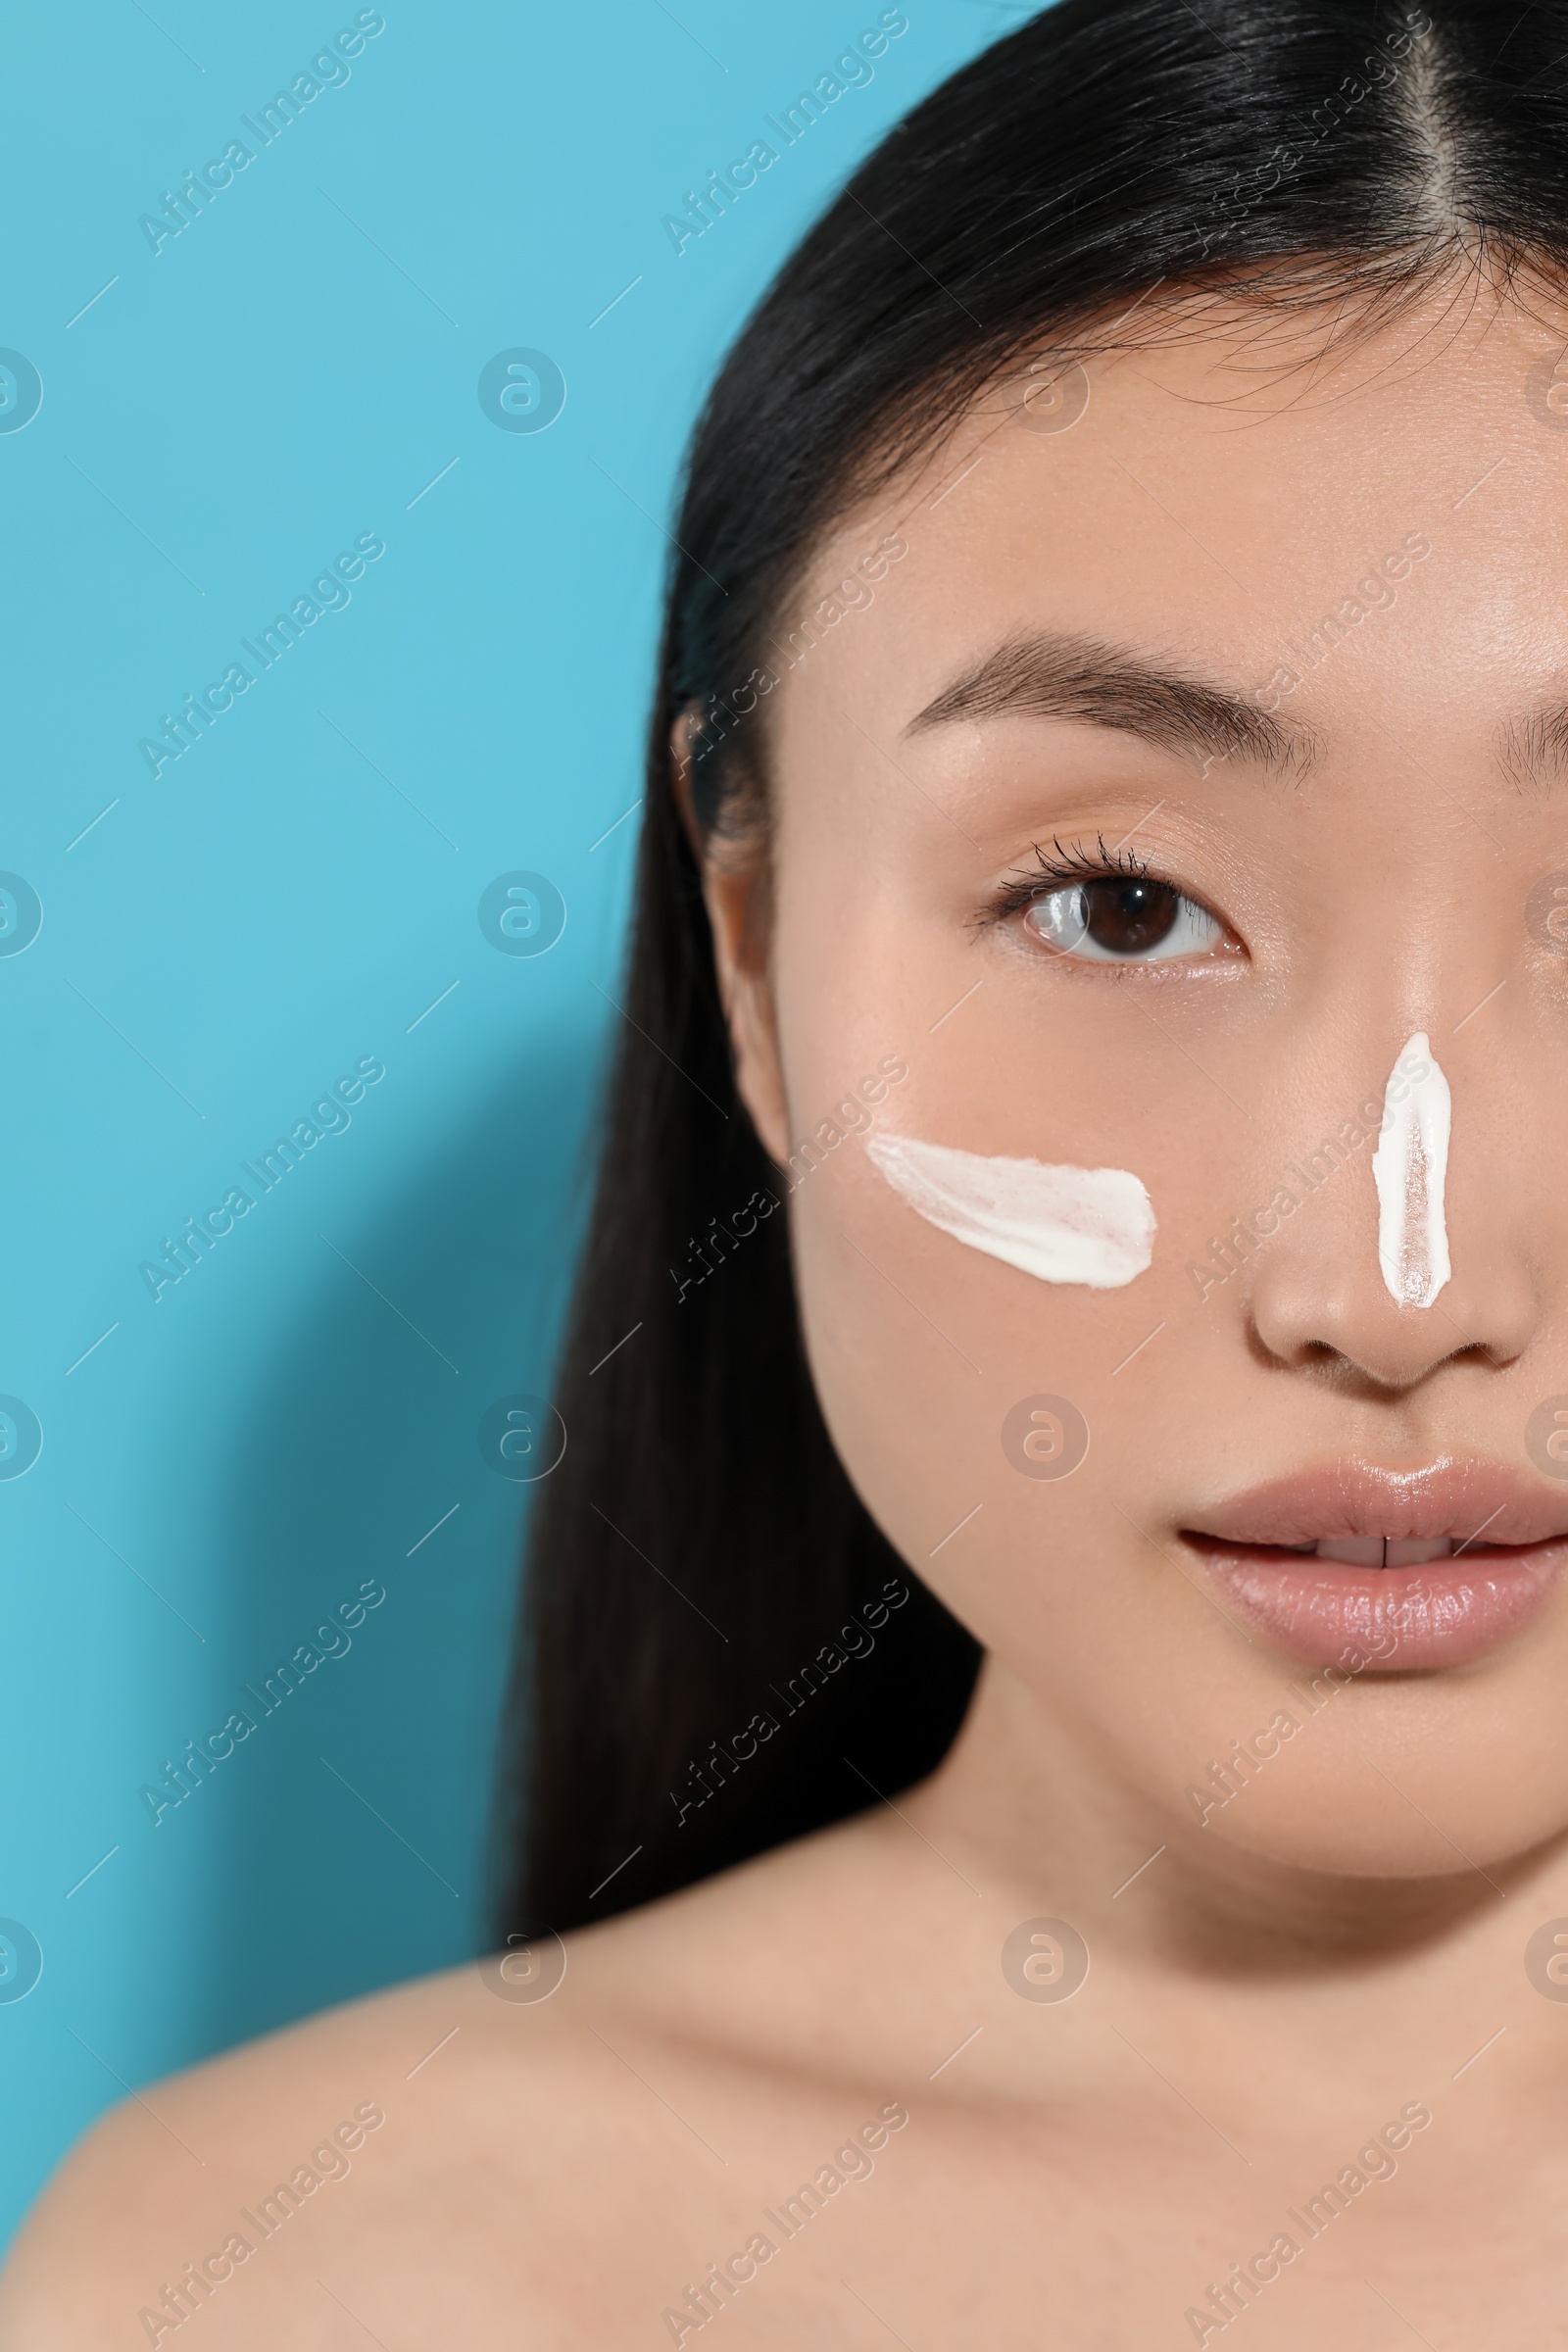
[1127, 916]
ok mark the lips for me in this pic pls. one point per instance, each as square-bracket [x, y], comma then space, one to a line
[1387, 1571]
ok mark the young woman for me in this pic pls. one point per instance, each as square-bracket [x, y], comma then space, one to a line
[1047, 1632]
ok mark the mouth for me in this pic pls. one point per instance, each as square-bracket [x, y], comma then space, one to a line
[1384, 1571]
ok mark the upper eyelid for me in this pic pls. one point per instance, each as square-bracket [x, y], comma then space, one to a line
[1018, 887]
[1079, 865]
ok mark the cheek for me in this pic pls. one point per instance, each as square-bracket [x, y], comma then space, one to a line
[985, 1425]
[1017, 1438]
[987, 1415]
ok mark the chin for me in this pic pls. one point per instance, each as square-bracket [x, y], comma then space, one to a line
[1436, 1819]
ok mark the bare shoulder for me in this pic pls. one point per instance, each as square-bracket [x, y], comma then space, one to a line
[517, 2136]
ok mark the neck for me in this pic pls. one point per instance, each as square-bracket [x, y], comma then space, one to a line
[1038, 1812]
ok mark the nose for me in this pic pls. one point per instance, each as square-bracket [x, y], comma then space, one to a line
[1325, 1294]
[1310, 1316]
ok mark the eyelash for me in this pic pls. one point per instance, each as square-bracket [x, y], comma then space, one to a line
[1074, 865]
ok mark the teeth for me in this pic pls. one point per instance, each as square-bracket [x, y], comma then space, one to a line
[1373, 1551]
[1416, 1549]
[1358, 1552]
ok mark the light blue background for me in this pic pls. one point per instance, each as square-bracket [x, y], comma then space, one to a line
[231, 411]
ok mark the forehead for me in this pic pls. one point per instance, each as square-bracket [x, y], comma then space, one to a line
[1215, 501]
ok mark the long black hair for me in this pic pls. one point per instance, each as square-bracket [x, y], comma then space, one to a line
[719, 1650]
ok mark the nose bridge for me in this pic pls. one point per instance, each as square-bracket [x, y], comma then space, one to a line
[1397, 1249]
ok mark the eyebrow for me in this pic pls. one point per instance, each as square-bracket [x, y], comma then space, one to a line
[1534, 749]
[1094, 684]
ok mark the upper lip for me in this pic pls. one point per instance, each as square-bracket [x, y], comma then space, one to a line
[1460, 1496]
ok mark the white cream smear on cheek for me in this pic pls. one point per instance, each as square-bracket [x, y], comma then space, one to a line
[1409, 1168]
[1093, 1226]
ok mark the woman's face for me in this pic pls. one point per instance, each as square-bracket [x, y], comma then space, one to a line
[1191, 760]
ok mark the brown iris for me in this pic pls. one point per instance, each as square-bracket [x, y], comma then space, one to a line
[1125, 917]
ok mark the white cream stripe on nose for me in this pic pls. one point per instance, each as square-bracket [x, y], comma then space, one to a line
[1410, 1168]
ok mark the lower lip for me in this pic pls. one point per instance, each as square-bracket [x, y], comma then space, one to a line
[1384, 1620]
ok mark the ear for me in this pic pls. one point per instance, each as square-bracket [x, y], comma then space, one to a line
[735, 892]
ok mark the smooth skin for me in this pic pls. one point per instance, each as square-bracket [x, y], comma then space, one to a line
[1343, 1941]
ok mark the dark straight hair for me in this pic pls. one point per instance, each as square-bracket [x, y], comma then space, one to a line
[719, 1650]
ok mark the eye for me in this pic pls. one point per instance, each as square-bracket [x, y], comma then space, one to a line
[1122, 919]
